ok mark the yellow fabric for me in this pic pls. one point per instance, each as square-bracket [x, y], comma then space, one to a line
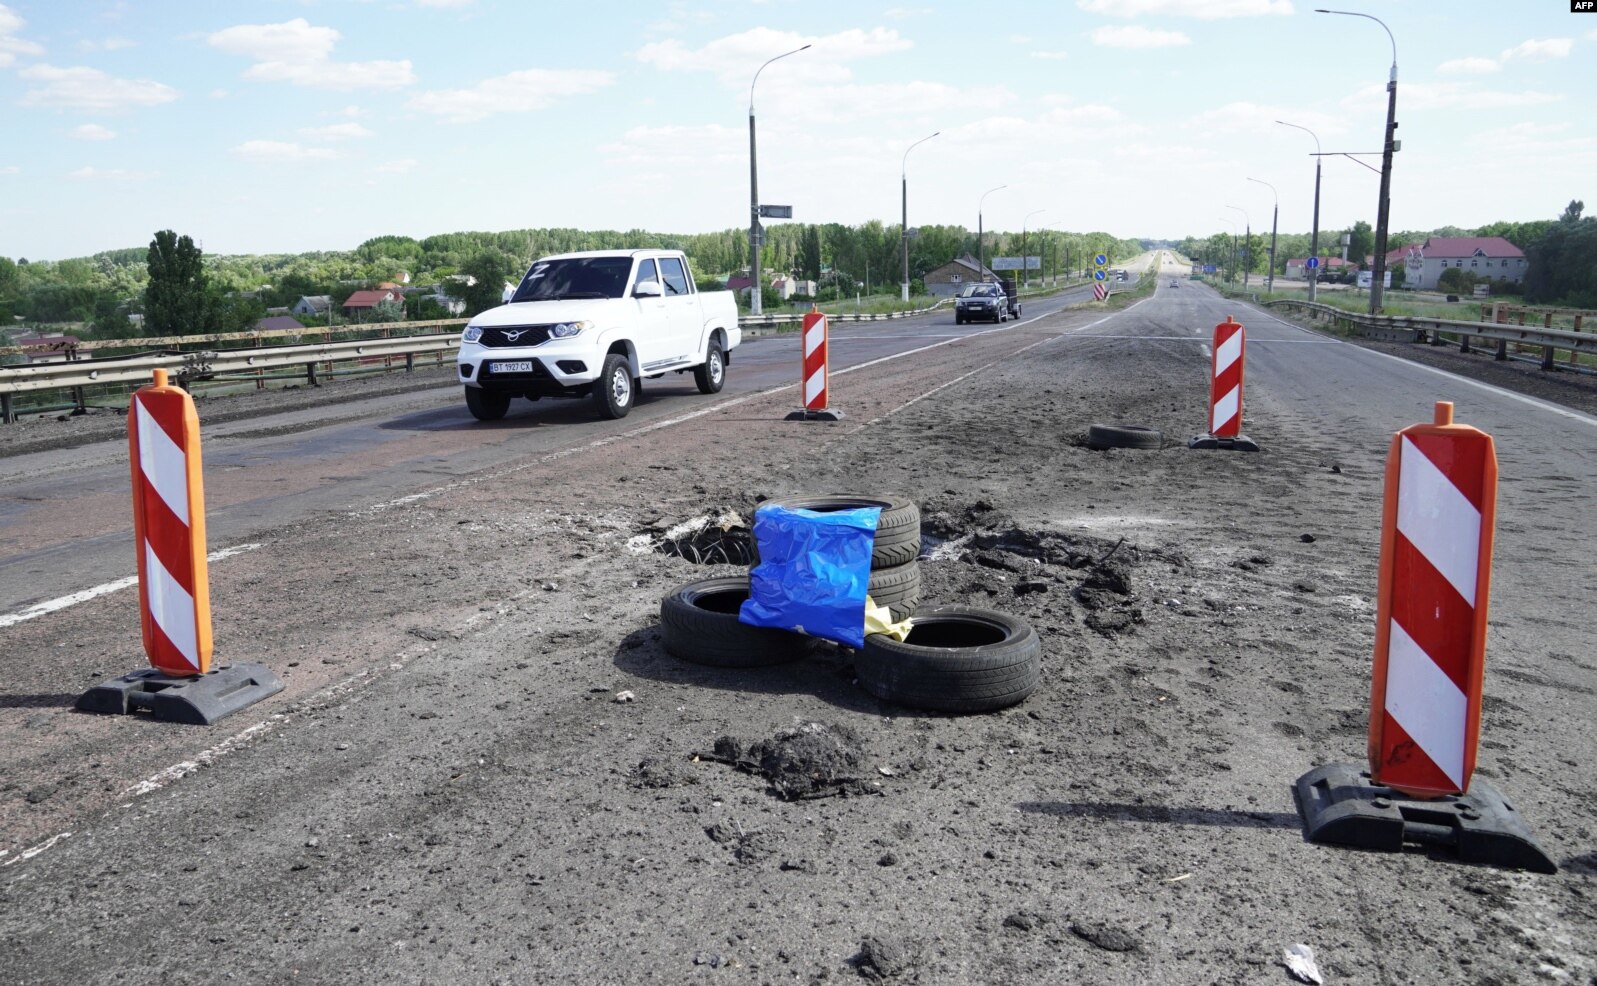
[878, 619]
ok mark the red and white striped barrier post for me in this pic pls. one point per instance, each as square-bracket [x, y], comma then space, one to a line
[1225, 388]
[813, 378]
[1430, 654]
[169, 528]
[174, 587]
[1430, 631]
[1225, 391]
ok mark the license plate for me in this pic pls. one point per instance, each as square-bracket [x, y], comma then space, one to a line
[520, 366]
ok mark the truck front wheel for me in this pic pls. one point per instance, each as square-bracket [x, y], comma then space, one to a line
[486, 405]
[612, 392]
[711, 374]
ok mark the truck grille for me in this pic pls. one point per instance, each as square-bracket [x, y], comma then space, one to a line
[500, 337]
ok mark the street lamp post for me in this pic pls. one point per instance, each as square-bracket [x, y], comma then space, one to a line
[1025, 272]
[1384, 207]
[1247, 243]
[756, 233]
[981, 242]
[904, 230]
[1314, 238]
[1269, 280]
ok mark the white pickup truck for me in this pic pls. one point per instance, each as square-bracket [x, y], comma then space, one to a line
[593, 325]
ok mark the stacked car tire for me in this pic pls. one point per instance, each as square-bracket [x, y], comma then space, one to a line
[955, 659]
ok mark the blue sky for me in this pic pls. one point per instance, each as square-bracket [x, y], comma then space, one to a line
[287, 125]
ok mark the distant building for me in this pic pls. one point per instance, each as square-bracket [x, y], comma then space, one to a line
[313, 304]
[46, 349]
[1295, 269]
[363, 302]
[1491, 257]
[951, 278]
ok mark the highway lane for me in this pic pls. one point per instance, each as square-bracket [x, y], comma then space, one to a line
[64, 515]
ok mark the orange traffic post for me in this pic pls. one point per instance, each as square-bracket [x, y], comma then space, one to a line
[1229, 356]
[1437, 523]
[814, 372]
[174, 586]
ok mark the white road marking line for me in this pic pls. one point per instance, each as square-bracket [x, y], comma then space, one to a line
[1584, 419]
[83, 596]
[36, 850]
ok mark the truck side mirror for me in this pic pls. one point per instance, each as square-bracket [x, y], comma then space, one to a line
[647, 289]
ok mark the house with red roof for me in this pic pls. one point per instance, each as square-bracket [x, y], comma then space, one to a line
[1490, 257]
[363, 302]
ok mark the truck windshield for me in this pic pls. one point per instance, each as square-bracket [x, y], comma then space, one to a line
[575, 277]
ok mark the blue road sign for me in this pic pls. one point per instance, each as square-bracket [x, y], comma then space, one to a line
[1312, 263]
[1099, 275]
[1208, 268]
[1100, 260]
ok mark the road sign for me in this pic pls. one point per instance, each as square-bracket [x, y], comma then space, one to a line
[1099, 275]
[1312, 263]
[1209, 268]
[1100, 260]
[1100, 291]
[1005, 263]
[912, 231]
[776, 211]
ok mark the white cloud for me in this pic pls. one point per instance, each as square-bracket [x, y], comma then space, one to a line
[10, 45]
[1468, 66]
[219, 93]
[1535, 50]
[88, 173]
[1259, 118]
[301, 53]
[338, 131]
[10, 169]
[1051, 55]
[93, 131]
[1448, 95]
[109, 44]
[519, 92]
[673, 147]
[403, 166]
[281, 152]
[85, 88]
[735, 58]
[1203, 9]
[1136, 36]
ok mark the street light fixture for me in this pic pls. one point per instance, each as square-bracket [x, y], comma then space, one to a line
[1025, 272]
[756, 232]
[1384, 207]
[1314, 238]
[981, 243]
[1269, 280]
[904, 189]
[1247, 244]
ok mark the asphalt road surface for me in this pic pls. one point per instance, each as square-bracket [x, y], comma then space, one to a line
[450, 790]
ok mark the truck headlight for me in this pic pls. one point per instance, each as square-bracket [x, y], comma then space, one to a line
[472, 333]
[565, 330]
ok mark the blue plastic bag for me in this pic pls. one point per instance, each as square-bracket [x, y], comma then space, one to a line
[814, 570]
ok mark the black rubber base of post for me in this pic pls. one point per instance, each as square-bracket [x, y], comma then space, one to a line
[1340, 805]
[1241, 443]
[815, 416]
[197, 700]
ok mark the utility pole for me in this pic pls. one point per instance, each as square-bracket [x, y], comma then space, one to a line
[756, 232]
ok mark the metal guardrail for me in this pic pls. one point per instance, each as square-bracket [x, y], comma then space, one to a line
[1411, 328]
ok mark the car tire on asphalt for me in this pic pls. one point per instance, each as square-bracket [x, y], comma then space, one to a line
[699, 624]
[711, 374]
[897, 530]
[1100, 437]
[957, 659]
[615, 389]
[486, 405]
